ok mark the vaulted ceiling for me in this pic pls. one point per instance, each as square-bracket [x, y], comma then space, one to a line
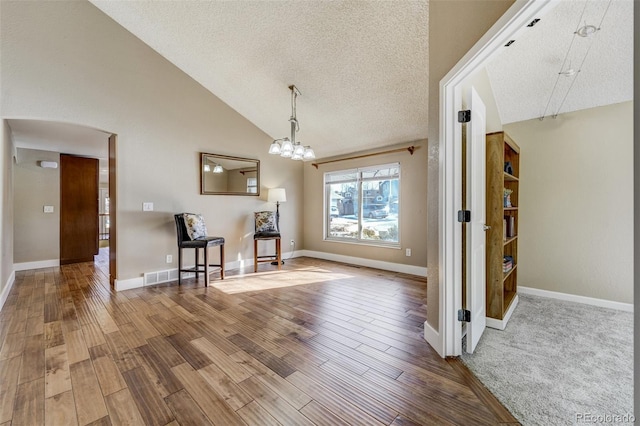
[362, 66]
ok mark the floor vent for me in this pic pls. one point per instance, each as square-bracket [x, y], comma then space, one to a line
[157, 277]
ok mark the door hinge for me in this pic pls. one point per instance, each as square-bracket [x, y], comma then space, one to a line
[464, 116]
[464, 216]
[464, 315]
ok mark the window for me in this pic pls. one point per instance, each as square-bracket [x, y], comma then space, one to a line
[362, 205]
[252, 185]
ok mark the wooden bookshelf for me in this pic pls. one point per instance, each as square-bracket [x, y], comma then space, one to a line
[502, 287]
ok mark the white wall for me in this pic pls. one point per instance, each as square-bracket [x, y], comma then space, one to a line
[576, 202]
[66, 61]
[6, 212]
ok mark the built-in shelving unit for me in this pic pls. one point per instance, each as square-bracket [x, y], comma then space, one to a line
[502, 236]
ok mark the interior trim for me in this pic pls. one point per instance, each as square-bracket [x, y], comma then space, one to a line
[626, 307]
[7, 288]
[51, 263]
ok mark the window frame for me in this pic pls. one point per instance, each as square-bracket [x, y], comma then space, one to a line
[326, 204]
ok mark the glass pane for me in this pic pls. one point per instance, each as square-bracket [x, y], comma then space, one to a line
[380, 209]
[386, 171]
[341, 176]
[342, 204]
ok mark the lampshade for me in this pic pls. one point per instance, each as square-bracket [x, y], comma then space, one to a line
[286, 150]
[218, 169]
[274, 148]
[308, 153]
[277, 195]
[207, 168]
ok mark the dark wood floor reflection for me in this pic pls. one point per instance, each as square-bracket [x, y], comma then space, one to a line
[316, 343]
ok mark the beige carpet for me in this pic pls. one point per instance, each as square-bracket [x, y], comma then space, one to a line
[560, 363]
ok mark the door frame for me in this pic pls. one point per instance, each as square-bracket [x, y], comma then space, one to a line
[448, 339]
[113, 203]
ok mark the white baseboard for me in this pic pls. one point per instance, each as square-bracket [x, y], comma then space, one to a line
[7, 288]
[432, 337]
[378, 264]
[627, 307]
[36, 265]
[129, 283]
[501, 324]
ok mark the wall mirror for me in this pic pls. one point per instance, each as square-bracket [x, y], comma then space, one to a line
[224, 175]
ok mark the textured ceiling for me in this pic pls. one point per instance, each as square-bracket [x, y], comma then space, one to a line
[524, 74]
[361, 66]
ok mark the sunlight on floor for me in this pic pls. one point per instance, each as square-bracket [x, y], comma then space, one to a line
[276, 279]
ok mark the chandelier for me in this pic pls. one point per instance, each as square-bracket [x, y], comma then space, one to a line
[289, 147]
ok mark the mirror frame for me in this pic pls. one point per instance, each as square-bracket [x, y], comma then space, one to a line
[204, 155]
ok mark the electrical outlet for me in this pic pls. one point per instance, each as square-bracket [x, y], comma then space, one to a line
[291, 242]
[408, 252]
[169, 258]
[147, 207]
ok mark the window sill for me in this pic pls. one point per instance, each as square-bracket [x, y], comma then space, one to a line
[373, 243]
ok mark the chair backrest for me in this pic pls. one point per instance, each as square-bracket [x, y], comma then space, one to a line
[181, 229]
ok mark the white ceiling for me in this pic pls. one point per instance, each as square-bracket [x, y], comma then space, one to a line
[523, 75]
[362, 66]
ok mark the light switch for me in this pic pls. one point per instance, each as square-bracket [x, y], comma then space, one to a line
[48, 209]
[147, 207]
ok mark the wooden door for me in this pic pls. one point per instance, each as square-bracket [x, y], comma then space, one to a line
[78, 209]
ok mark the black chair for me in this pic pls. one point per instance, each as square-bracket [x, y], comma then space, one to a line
[185, 242]
[265, 234]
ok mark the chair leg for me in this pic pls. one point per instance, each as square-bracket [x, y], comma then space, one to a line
[255, 255]
[206, 267]
[179, 265]
[222, 261]
[278, 254]
[197, 259]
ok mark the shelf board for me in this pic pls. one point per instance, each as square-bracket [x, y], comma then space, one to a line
[510, 178]
[508, 298]
[507, 209]
[506, 275]
[510, 240]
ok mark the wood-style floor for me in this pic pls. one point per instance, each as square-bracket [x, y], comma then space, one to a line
[316, 343]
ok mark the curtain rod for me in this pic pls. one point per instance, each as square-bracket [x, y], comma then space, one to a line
[409, 148]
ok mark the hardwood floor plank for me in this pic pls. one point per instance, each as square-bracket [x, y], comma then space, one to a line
[277, 384]
[233, 369]
[33, 366]
[157, 369]
[230, 392]
[123, 356]
[185, 409]
[29, 404]
[273, 404]
[93, 334]
[60, 409]
[213, 405]
[151, 405]
[57, 373]
[338, 344]
[262, 355]
[254, 414]
[109, 377]
[189, 352]
[13, 346]
[342, 407]
[76, 346]
[122, 408]
[53, 335]
[9, 373]
[86, 392]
